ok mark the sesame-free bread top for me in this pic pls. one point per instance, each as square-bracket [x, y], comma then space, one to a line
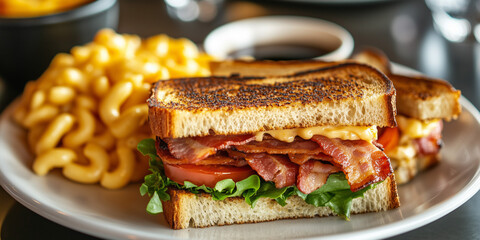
[418, 96]
[348, 94]
[265, 67]
[426, 98]
[376, 58]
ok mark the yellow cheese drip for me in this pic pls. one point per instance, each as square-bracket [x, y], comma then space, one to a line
[415, 128]
[342, 132]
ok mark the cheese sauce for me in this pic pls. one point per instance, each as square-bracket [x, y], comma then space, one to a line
[342, 132]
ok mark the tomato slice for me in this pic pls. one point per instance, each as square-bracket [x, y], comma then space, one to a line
[389, 138]
[207, 175]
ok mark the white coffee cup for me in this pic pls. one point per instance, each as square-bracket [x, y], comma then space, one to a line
[280, 30]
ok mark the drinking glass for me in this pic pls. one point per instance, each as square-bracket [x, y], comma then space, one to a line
[193, 10]
[456, 20]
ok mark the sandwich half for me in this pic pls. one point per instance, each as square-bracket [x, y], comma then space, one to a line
[232, 150]
[423, 104]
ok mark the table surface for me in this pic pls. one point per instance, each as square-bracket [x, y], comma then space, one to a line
[402, 29]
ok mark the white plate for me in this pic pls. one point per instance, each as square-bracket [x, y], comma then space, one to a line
[121, 214]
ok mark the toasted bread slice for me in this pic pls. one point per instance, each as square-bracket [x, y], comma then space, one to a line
[426, 98]
[265, 68]
[348, 94]
[418, 97]
[376, 58]
[185, 209]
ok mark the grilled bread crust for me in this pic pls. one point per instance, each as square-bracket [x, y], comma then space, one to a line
[185, 209]
[265, 68]
[426, 98]
[418, 97]
[375, 58]
[347, 94]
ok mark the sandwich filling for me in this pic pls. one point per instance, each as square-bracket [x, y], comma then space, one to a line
[412, 139]
[322, 170]
[294, 157]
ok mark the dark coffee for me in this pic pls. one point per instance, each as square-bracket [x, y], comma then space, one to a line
[280, 52]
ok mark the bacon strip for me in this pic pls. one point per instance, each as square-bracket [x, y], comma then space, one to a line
[236, 154]
[218, 159]
[274, 146]
[313, 174]
[361, 161]
[276, 168]
[430, 144]
[198, 148]
[302, 158]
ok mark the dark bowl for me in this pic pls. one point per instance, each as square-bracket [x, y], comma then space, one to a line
[27, 45]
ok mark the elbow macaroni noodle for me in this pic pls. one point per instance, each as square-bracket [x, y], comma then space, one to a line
[88, 110]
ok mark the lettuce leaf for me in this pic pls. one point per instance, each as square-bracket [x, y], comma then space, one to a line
[335, 194]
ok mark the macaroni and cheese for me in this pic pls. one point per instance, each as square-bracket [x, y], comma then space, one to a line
[88, 110]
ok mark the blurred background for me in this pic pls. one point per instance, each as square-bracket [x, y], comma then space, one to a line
[435, 37]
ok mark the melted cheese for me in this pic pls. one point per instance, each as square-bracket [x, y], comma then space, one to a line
[342, 132]
[403, 152]
[415, 128]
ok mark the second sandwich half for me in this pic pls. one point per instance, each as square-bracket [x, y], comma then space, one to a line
[296, 146]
